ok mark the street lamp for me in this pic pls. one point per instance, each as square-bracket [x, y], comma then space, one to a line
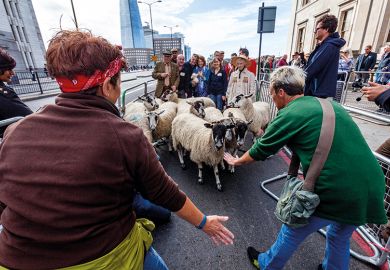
[170, 27]
[151, 23]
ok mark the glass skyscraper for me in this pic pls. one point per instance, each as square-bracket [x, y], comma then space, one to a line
[132, 33]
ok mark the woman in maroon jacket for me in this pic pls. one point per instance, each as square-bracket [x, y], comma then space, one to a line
[69, 172]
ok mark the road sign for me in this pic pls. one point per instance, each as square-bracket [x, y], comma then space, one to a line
[266, 23]
[154, 58]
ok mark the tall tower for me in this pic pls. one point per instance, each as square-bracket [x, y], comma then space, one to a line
[132, 33]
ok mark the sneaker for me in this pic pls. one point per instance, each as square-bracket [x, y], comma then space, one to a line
[253, 254]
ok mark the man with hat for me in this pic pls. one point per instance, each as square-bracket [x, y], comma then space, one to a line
[167, 74]
[174, 52]
[241, 81]
[10, 103]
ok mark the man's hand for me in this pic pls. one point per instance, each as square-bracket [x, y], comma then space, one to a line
[224, 98]
[164, 75]
[230, 159]
[173, 88]
[374, 90]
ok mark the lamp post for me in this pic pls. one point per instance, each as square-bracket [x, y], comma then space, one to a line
[151, 24]
[74, 16]
[170, 27]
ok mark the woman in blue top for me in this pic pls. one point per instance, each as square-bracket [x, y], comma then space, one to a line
[202, 73]
[217, 83]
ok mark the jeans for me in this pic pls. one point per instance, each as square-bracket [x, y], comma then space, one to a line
[336, 251]
[153, 261]
[217, 100]
[146, 209]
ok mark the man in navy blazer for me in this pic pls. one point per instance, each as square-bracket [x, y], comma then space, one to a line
[365, 62]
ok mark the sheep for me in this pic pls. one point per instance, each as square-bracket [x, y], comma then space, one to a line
[168, 95]
[160, 122]
[258, 112]
[208, 102]
[149, 104]
[240, 130]
[204, 140]
[140, 120]
[194, 107]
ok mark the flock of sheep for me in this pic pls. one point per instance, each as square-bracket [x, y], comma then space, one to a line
[196, 127]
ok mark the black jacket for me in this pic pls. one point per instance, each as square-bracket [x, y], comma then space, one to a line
[10, 105]
[369, 62]
[185, 77]
[217, 83]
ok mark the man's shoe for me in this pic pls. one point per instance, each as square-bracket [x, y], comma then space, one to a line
[253, 255]
[320, 267]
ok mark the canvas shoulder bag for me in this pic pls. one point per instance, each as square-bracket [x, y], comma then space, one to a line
[298, 201]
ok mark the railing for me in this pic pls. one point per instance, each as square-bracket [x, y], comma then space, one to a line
[131, 94]
[25, 82]
[370, 233]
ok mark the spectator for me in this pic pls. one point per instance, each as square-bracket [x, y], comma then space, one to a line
[32, 71]
[174, 52]
[302, 60]
[384, 66]
[232, 68]
[282, 62]
[167, 75]
[182, 74]
[295, 60]
[344, 205]
[365, 63]
[217, 83]
[321, 69]
[10, 103]
[241, 81]
[345, 64]
[202, 73]
[185, 87]
[225, 64]
[253, 65]
[217, 54]
[268, 66]
[70, 201]
[378, 93]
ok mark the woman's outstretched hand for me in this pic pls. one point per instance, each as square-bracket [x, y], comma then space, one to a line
[217, 232]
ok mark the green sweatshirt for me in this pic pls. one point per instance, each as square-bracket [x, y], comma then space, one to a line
[351, 185]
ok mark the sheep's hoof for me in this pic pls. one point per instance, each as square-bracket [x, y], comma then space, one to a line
[219, 187]
[200, 181]
[183, 166]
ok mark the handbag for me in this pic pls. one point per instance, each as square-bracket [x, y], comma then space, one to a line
[298, 201]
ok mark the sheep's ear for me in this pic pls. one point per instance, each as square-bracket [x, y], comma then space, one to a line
[250, 122]
[142, 98]
[248, 96]
[208, 125]
[161, 112]
[190, 102]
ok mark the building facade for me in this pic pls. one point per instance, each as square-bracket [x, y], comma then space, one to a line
[138, 56]
[163, 42]
[187, 52]
[20, 34]
[132, 33]
[148, 36]
[361, 23]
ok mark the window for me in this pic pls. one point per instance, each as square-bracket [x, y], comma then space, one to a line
[346, 23]
[305, 2]
[300, 39]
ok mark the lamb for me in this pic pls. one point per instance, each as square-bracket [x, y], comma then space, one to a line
[257, 112]
[140, 119]
[194, 107]
[149, 104]
[160, 122]
[203, 140]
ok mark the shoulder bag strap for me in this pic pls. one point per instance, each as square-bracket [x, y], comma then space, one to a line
[324, 144]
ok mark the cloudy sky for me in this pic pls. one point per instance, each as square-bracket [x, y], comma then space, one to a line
[208, 25]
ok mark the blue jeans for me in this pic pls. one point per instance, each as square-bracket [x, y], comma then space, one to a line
[146, 209]
[337, 245]
[217, 100]
[153, 261]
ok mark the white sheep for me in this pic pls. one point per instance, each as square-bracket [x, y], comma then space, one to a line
[194, 107]
[140, 119]
[160, 122]
[257, 112]
[208, 102]
[148, 104]
[204, 141]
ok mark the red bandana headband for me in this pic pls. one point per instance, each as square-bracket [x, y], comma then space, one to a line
[82, 82]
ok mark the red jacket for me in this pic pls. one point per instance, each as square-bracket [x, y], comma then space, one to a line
[253, 67]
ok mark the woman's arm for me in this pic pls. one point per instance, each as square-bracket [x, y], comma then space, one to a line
[213, 226]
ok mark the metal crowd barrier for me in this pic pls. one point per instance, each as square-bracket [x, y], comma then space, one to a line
[353, 101]
[370, 233]
[131, 94]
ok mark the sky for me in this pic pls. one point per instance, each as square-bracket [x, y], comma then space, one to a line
[207, 25]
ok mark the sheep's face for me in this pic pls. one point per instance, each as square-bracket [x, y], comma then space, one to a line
[149, 102]
[197, 108]
[239, 100]
[218, 133]
[241, 130]
[153, 119]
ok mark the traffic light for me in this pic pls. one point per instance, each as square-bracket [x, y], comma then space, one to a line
[154, 58]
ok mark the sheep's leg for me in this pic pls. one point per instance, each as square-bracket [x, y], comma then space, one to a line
[200, 173]
[222, 165]
[180, 154]
[234, 154]
[169, 140]
[217, 181]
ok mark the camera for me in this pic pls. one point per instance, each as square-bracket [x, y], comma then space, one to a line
[359, 84]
